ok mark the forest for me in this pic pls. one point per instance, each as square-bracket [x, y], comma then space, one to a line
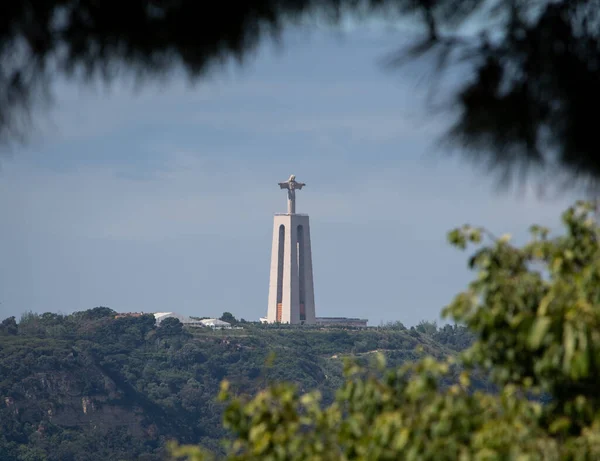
[93, 386]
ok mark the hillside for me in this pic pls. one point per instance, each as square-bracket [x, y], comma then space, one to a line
[88, 386]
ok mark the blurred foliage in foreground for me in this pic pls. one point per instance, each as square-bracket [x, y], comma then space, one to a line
[534, 310]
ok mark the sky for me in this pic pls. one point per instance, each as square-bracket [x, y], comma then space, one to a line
[162, 198]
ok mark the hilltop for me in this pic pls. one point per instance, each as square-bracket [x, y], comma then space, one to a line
[89, 386]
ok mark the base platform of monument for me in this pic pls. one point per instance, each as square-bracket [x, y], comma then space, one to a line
[341, 321]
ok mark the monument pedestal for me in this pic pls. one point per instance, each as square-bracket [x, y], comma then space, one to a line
[291, 290]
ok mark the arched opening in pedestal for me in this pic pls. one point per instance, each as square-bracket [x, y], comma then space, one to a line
[301, 271]
[280, 263]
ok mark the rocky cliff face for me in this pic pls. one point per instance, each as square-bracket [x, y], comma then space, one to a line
[62, 398]
[58, 402]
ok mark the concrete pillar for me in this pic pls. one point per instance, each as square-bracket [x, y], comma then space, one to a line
[291, 279]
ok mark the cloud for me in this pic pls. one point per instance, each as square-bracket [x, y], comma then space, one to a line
[190, 197]
[279, 94]
[274, 110]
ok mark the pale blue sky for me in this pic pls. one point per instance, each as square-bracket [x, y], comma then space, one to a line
[162, 199]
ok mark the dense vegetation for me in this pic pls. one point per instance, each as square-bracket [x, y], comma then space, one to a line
[534, 311]
[89, 386]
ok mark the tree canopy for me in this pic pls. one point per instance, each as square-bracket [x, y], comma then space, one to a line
[97, 385]
[534, 312]
[528, 102]
[229, 318]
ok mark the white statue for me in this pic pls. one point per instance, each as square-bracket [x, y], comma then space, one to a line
[291, 185]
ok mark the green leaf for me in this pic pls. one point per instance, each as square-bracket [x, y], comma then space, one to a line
[569, 348]
[538, 331]
[560, 425]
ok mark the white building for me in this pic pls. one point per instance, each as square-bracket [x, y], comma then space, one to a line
[160, 316]
[291, 290]
[215, 324]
